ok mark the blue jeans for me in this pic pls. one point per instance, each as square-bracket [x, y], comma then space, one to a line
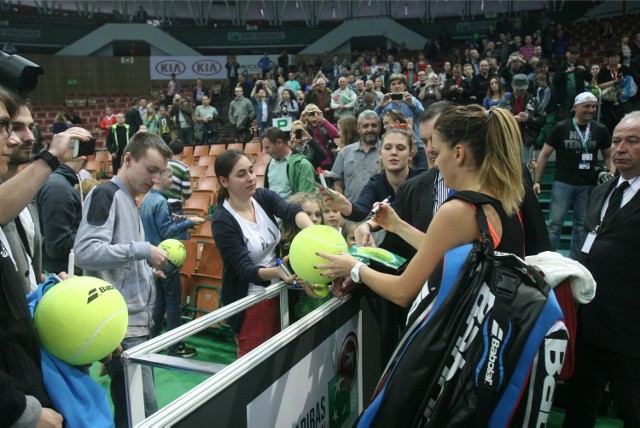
[118, 386]
[563, 197]
[261, 127]
[168, 296]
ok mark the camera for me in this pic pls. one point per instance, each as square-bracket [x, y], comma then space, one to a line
[298, 133]
[311, 113]
[604, 174]
[284, 110]
[396, 97]
[18, 74]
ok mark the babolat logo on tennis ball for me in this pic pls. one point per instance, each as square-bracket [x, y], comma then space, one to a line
[94, 293]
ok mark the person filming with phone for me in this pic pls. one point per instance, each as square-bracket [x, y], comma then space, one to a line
[400, 99]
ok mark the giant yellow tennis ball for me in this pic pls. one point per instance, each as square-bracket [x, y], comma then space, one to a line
[81, 319]
[313, 239]
[176, 253]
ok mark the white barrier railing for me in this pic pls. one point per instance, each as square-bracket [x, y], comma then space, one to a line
[147, 354]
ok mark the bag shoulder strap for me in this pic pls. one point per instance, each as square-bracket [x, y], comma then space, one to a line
[478, 200]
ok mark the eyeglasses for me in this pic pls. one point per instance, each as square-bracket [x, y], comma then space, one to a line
[6, 128]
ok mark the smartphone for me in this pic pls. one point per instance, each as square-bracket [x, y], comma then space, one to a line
[85, 148]
[298, 134]
[397, 97]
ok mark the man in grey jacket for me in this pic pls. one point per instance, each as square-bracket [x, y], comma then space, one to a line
[110, 244]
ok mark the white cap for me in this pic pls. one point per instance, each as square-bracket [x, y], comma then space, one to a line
[585, 97]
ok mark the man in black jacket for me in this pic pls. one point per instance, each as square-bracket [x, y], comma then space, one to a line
[132, 116]
[60, 210]
[526, 110]
[608, 339]
[182, 116]
[117, 140]
[568, 81]
[480, 82]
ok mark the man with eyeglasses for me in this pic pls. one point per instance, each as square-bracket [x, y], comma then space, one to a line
[159, 224]
[23, 399]
[23, 233]
[420, 84]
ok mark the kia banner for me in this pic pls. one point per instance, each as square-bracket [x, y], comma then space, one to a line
[203, 67]
[187, 67]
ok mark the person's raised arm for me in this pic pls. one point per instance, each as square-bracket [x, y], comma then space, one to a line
[18, 191]
[336, 201]
[453, 225]
[388, 219]
[303, 220]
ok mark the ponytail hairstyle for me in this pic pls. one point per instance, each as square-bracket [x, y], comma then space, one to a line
[493, 138]
[223, 166]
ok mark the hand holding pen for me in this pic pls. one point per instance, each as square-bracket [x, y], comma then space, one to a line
[287, 272]
[375, 209]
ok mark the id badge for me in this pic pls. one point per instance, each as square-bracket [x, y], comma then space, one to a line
[588, 242]
[587, 157]
[584, 165]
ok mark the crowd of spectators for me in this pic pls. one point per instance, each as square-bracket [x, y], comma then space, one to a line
[527, 70]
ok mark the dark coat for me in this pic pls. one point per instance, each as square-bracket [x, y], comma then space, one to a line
[611, 319]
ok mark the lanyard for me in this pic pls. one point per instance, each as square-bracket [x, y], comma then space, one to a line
[583, 138]
[614, 75]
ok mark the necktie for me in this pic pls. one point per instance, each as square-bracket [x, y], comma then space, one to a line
[615, 200]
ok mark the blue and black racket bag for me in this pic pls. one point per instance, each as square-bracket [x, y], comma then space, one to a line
[483, 349]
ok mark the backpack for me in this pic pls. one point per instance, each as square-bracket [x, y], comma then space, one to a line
[483, 348]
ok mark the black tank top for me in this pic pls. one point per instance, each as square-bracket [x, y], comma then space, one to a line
[512, 240]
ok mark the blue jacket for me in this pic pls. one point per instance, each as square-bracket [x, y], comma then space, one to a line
[258, 106]
[157, 219]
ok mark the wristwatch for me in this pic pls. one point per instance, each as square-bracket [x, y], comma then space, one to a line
[355, 272]
[49, 158]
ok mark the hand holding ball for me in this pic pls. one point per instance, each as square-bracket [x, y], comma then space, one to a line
[81, 320]
[314, 239]
[176, 253]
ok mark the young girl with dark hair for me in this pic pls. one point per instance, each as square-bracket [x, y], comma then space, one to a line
[245, 230]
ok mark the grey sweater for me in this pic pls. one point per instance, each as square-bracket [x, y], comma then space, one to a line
[110, 245]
